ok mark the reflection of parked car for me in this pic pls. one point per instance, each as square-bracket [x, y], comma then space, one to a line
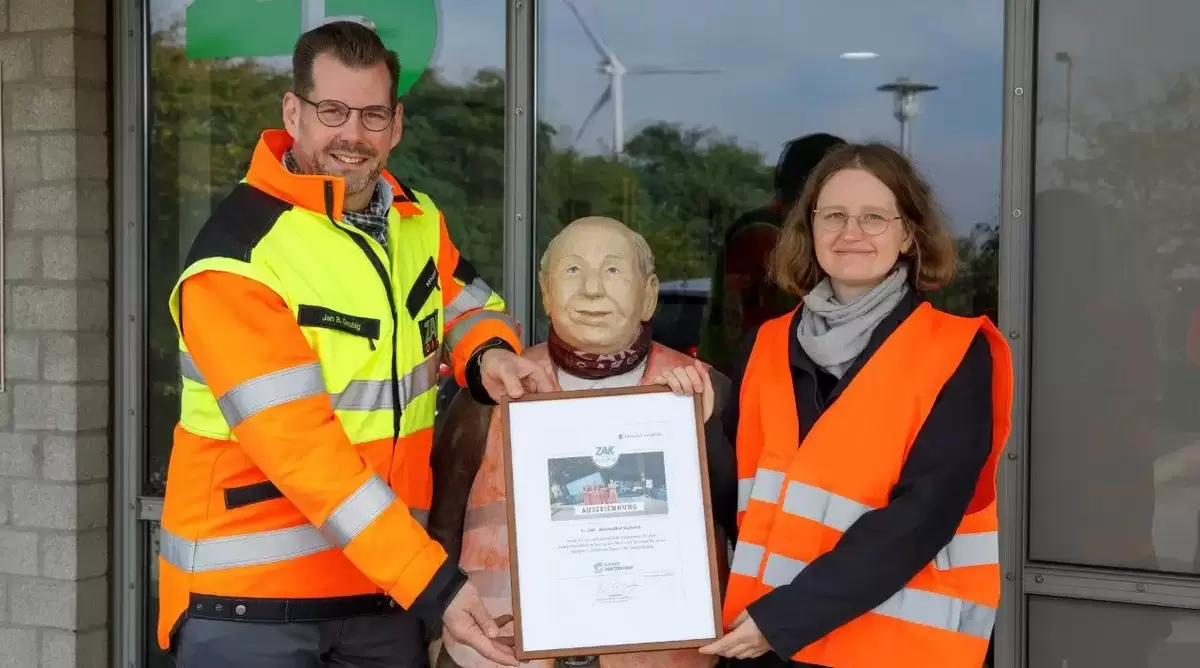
[680, 315]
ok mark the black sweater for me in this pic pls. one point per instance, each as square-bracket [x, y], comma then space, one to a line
[881, 552]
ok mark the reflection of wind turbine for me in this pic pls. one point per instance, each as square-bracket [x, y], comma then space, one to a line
[615, 91]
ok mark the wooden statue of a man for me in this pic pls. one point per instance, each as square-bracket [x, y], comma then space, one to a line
[599, 289]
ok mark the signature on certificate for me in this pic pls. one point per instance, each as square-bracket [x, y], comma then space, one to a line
[616, 589]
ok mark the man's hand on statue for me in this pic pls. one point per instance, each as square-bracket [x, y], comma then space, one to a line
[744, 641]
[468, 621]
[690, 380]
[505, 373]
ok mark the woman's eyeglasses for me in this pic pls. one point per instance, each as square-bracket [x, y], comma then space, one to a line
[871, 223]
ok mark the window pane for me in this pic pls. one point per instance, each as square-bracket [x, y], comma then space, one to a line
[1066, 633]
[702, 107]
[216, 82]
[1116, 298]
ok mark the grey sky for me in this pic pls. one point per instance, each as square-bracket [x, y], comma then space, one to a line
[780, 77]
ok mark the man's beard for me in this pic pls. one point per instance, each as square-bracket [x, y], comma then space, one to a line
[357, 181]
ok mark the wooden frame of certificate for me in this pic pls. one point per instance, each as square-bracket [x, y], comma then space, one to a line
[610, 527]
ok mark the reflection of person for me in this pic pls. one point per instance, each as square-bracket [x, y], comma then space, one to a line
[313, 310]
[599, 289]
[1094, 402]
[742, 298]
[867, 442]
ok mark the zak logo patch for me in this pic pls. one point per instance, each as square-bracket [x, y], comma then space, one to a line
[429, 334]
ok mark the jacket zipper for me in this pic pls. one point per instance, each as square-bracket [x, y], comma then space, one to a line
[385, 277]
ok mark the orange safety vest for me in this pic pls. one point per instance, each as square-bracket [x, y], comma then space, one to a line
[795, 501]
[484, 554]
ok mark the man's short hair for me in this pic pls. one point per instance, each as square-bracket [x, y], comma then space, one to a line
[353, 44]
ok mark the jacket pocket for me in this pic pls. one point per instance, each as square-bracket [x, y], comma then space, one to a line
[248, 495]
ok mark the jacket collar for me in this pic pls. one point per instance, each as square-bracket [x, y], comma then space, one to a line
[315, 192]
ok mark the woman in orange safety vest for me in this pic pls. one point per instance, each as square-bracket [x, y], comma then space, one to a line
[869, 432]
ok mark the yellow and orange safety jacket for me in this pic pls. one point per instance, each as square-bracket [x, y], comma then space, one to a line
[309, 356]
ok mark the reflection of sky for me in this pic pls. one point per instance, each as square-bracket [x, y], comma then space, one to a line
[781, 76]
[780, 73]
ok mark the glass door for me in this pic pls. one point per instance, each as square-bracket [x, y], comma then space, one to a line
[216, 73]
[690, 121]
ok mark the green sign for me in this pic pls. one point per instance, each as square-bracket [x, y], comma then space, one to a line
[267, 28]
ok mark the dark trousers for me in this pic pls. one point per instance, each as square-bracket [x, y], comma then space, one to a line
[369, 641]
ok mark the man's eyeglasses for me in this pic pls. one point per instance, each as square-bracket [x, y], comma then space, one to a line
[871, 223]
[334, 114]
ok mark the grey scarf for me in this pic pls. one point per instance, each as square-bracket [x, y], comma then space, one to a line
[834, 334]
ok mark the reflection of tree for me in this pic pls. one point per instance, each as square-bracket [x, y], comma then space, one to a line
[204, 120]
[668, 187]
[976, 289]
[1136, 152]
[679, 187]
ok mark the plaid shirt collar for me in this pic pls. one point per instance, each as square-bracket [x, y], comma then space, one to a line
[374, 220]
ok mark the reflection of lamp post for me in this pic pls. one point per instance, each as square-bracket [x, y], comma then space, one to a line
[1064, 57]
[312, 15]
[905, 93]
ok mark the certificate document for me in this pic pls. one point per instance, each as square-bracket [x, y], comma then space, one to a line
[610, 530]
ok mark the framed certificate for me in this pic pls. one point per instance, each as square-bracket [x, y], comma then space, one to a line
[610, 524]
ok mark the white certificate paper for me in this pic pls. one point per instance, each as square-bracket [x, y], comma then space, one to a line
[611, 533]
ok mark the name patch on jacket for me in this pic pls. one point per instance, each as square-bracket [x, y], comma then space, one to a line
[429, 334]
[424, 286]
[320, 316]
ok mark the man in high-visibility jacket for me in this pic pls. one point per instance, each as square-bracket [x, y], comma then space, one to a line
[313, 311]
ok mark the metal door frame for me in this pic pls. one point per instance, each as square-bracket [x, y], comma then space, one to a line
[1023, 577]
[133, 513]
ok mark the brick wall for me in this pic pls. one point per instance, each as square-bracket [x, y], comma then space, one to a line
[54, 412]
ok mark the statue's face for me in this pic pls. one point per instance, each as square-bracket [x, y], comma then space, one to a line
[595, 294]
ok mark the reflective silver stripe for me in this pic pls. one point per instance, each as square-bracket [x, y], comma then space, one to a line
[420, 380]
[839, 512]
[370, 395]
[767, 485]
[969, 549]
[251, 549]
[359, 395]
[363, 395]
[940, 611]
[818, 505]
[746, 559]
[272, 389]
[188, 368]
[474, 295]
[781, 570]
[359, 509]
[910, 605]
[462, 327]
[745, 487]
[269, 547]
